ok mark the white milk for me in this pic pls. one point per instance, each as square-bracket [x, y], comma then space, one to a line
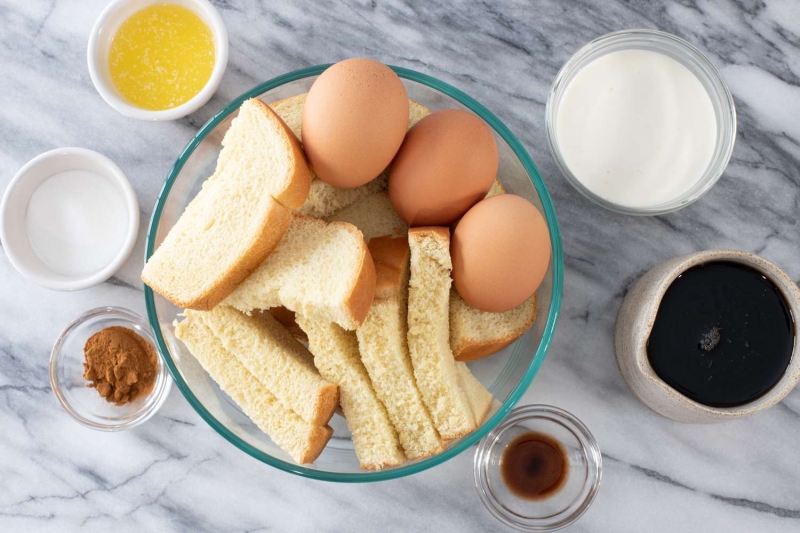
[76, 222]
[636, 127]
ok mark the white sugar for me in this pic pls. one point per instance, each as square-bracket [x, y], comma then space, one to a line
[76, 222]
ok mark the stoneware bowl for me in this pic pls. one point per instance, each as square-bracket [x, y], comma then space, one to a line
[637, 316]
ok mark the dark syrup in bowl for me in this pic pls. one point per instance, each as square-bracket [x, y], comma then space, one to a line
[723, 335]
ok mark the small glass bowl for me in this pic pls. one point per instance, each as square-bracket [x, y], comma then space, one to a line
[690, 57]
[563, 507]
[84, 403]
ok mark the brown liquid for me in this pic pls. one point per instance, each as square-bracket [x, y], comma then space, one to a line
[534, 466]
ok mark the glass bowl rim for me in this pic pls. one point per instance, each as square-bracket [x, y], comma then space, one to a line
[716, 167]
[517, 392]
[159, 395]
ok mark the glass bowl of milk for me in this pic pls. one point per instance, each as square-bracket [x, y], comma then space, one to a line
[641, 122]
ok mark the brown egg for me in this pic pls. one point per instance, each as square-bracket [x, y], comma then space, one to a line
[500, 252]
[446, 165]
[354, 121]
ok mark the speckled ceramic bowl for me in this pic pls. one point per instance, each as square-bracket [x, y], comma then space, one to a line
[635, 322]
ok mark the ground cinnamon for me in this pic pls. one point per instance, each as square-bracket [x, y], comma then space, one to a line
[120, 364]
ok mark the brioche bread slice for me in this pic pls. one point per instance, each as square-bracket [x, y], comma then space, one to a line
[429, 332]
[382, 341]
[291, 111]
[301, 440]
[322, 271]
[337, 358]
[239, 216]
[269, 352]
[475, 334]
[324, 199]
[260, 147]
[479, 398]
[374, 215]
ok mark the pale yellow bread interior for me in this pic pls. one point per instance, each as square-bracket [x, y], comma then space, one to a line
[497, 188]
[322, 271]
[301, 440]
[238, 217]
[374, 215]
[475, 334]
[382, 341]
[337, 357]
[271, 353]
[480, 399]
[429, 332]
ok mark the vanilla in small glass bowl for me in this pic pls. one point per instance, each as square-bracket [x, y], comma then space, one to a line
[558, 506]
[84, 403]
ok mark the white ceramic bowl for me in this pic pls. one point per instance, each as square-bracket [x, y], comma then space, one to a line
[103, 33]
[14, 207]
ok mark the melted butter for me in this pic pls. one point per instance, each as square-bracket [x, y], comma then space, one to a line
[161, 57]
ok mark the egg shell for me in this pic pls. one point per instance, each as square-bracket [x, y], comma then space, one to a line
[354, 121]
[447, 163]
[500, 252]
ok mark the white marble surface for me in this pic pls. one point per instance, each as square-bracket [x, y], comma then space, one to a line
[175, 474]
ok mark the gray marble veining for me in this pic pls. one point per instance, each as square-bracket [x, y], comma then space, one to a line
[175, 474]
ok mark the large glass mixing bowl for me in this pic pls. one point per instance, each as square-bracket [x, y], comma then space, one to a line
[506, 374]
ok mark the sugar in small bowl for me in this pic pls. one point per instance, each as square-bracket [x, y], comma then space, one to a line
[69, 219]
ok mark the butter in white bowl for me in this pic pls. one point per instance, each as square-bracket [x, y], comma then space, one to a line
[157, 61]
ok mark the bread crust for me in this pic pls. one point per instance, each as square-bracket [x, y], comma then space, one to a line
[317, 440]
[299, 184]
[391, 256]
[275, 224]
[360, 297]
[467, 349]
[286, 317]
[290, 100]
[261, 245]
[326, 404]
[472, 350]
[440, 232]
